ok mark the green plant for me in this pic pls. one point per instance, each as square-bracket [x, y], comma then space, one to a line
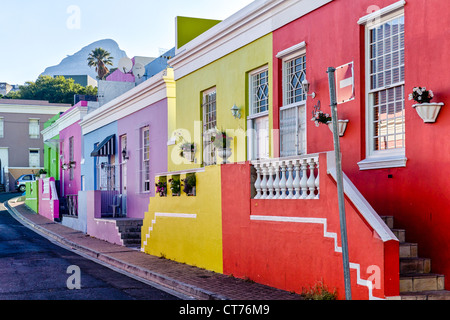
[421, 95]
[189, 183]
[175, 186]
[221, 140]
[161, 188]
[186, 147]
[319, 292]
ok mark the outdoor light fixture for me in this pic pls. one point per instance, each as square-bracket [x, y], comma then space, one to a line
[306, 85]
[124, 155]
[236, 112]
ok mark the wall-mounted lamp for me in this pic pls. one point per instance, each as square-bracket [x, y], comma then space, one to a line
[306, 85]
[125, 155]
[236, 112]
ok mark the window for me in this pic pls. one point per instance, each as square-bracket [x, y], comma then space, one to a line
[258, 120]
[2, 127]
[71, 158]
[293, 111]
[34, 129]
[145, 140]
[34, 158]
[385, 78]
[209, 126]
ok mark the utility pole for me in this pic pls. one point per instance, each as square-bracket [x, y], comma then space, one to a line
[340, 183]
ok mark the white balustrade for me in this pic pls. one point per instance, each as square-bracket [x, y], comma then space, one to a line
[287, 178]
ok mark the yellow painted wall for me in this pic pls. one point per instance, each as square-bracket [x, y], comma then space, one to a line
[195, 241]
[230, 77]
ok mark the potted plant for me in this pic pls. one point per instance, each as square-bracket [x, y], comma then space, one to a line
[175, 186]
[426, 109]
[187, 150]
[190, 185]
[42, 173]
[223, 144]
[324, 118]
[161, 188]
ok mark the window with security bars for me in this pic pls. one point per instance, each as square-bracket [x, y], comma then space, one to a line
[293, 111]
[71, 158]
[387, 90]
[209, 126]
[145, 159]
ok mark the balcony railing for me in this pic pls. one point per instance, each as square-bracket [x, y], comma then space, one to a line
[287, 178]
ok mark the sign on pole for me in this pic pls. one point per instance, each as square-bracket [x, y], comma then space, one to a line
[345, 83]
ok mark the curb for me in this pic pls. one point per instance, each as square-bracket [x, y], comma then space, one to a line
[179, 286]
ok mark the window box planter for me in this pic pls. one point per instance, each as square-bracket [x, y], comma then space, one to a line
[342, 126]
[428, 111]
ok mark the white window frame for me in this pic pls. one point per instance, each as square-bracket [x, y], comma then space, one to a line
[287, 55]
[389, 158]
[208, 129]
[35, 151]
[145, 161]
[32, 128]
[252, 151]
[2, 127]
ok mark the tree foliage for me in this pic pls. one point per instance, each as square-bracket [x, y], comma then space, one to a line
[100, 59]
[53, 90]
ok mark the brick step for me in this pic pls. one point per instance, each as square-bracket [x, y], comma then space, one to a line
[389, 220]
[400, 234]
[426, 295]
[133, 243]
[421, 282]
[129, 229]
[415, 265]
[408, 250]
[130, 235]
[129, 222]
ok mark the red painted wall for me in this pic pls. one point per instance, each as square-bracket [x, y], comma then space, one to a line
[290, 255]
[418, 195]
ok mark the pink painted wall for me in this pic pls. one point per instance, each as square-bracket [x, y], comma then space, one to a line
[97, 227]
[48, 200]
[70, 186]
[155, 116]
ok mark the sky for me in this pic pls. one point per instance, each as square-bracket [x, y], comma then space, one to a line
[36, 34]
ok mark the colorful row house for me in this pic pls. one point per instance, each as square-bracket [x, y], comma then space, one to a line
[225, 160]
[265, 203]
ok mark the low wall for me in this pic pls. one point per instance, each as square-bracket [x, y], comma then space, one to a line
[184, 228]
[32, 195]
[294, 244]
[97, 227]
[48, 198]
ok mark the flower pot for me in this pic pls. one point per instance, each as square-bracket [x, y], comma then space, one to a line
[428, 111]
[342, 126]
[224, 153]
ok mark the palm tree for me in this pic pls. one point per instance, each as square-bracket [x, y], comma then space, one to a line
[100, 58]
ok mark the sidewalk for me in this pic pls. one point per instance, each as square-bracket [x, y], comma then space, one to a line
[197, 283]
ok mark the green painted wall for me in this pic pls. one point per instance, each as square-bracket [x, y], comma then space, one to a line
[230, 76]
[32, 196]
[51, 152]
[190, 28]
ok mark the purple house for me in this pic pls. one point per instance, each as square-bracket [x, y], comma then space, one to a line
[125, 145]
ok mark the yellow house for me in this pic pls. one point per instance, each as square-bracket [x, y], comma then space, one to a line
[223, 83]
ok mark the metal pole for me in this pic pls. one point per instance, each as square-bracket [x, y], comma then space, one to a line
[340, 183]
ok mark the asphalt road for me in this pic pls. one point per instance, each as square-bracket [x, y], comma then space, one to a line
[34, 268]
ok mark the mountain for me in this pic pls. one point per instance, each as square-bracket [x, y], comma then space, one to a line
[76, 64]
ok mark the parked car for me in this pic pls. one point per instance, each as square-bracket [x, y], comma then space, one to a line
[20, 183]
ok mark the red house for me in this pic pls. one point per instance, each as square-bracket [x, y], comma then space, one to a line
[395, 156]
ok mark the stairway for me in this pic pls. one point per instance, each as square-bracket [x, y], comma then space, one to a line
[130, 232]
[416, 280]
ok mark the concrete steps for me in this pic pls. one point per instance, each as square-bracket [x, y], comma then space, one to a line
[416, 280]
[130, 231]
